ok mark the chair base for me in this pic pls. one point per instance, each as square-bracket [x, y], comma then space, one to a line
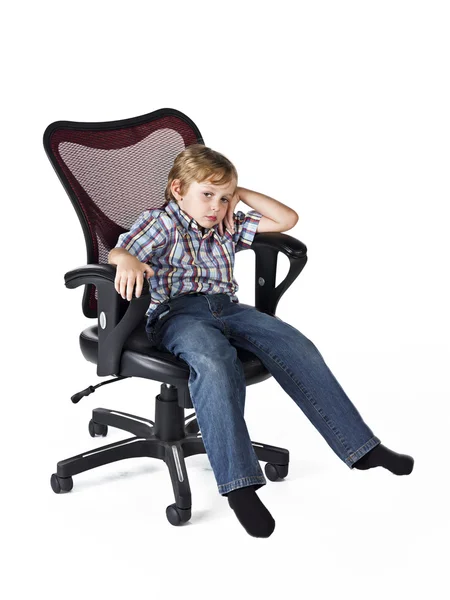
[171, 438]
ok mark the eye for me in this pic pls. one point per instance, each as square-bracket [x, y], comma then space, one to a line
[209, 193]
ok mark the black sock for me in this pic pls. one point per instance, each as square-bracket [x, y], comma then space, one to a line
[380, 456]
[251, 512]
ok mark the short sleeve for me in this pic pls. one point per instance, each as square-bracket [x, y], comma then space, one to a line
[146, 236]
[245, 226]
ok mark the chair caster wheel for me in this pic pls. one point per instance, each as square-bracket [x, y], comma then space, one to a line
[97, 429]
[276, 472]
[177, 516]
[61, 484]
[192, 427]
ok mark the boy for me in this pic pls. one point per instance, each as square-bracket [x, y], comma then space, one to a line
[195, 314]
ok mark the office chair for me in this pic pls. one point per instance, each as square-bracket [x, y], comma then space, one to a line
[113, 171]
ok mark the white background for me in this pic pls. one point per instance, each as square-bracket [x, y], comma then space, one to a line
[341, 111]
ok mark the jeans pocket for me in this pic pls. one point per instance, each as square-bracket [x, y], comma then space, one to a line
[164, 313]
[153, 326]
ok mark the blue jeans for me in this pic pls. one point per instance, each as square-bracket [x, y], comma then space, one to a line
[204, 331]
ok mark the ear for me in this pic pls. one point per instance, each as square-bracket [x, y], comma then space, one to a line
[175, 188]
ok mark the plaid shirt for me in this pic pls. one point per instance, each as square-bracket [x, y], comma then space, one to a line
[183, 259]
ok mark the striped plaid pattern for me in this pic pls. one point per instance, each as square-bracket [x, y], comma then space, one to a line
[183, 259]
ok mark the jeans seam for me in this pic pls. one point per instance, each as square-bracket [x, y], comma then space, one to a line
[355, 456]
[209, 304]
[224, 488]
[212, 312]
[242, 479]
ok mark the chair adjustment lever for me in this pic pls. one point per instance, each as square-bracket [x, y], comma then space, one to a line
[77, 397]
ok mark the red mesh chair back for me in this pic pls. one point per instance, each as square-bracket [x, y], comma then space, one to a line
[115, 170]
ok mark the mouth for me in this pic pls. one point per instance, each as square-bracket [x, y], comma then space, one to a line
[211, 218]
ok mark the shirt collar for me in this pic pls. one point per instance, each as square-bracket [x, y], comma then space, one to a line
[184, 221]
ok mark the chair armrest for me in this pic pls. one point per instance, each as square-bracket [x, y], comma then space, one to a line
[113, 329]
[266, 247]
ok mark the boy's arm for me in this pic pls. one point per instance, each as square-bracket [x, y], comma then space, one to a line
[116, 254]
[130, 271]
[133, 252]
[276, 215]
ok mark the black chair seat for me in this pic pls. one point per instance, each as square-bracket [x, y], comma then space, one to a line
[140, 359]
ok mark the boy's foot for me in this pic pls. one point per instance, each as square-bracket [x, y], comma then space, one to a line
[380, 456]
[251, 512]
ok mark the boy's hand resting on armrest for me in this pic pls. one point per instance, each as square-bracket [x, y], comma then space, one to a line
[130, 270]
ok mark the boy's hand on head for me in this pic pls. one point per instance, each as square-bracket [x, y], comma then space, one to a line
[221, 228]
[130, 271]
[228, 220]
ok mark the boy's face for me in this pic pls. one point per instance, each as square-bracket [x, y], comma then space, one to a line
[205, 199]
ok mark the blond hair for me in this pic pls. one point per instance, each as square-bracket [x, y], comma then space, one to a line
[199, 163]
